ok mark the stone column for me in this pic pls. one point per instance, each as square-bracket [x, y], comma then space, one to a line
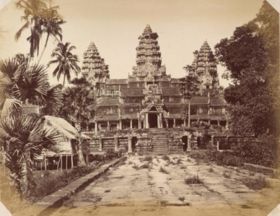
[212, 140]
[95, 127]
[108, 125]
[174, 123]
[160, 120]
[129, 142]
[130, 123]
[218, 145]
[147, 120]
[226, 124]
[189, 143]
[185, 123]
[167, 123]
[116, 142]
[139, 123]
[120, 124]
[100, 144]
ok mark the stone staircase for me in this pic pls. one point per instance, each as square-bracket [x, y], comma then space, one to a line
[159, 140]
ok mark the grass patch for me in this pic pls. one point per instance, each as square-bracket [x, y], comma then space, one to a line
[193, 180]
[182, 199]
[135, 167]
[148, 158]
[48, 182]
[257, 183]
[144, 166]
[211, 170]
[165, 157]
[227, 174]
[161, 169]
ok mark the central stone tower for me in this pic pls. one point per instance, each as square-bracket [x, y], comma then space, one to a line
[148, 57]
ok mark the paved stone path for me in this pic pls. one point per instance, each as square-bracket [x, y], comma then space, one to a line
[158, 187]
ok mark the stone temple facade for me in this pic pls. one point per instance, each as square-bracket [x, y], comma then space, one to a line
[148, 111]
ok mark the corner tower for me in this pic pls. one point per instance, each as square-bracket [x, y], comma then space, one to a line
[205, 67]
[94, 68]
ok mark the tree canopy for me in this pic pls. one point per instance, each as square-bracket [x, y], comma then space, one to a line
[251, 55]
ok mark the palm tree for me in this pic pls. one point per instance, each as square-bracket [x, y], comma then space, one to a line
[53, 101]
[32, 18]
[40, 18]
[65, 60]
[23, 138]
[29, 84]
[52, 22]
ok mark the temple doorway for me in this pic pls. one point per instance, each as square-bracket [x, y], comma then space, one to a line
[153, 120]
[185, 143]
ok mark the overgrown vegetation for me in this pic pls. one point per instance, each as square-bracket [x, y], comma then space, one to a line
[251, 152]
[256, 183]
[251, 56]
[227, 174]
[166, 158]
[193, 180]
[163, 170]
[148, 158]
[48, 182]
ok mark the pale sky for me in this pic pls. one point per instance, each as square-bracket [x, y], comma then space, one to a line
[114, 26]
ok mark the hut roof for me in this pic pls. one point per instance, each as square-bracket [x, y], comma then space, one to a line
[61, 126]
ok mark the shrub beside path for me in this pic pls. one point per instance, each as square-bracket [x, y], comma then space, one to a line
[50, 203]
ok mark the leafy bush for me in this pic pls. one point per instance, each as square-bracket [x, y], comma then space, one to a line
[225, 158]
[257, 183]
[193, 180]
[262, 151]
[163, 170]
[226, 174]
[148, 158]
[144, 166]
[198, 155]
[165, 157]
[51, 181]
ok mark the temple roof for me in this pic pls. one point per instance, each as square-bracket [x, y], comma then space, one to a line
[199, 100]
[171, 91]
[107, 117]
[129, 116]
[108, 101]
[175, 108]
[117, 81]
[217, 101]
[132, 92]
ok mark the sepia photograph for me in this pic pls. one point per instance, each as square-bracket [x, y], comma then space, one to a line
[139, 108]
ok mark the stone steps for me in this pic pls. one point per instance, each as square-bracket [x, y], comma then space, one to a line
[160, 140]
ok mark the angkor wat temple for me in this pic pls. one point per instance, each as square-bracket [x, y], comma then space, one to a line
[149, 111]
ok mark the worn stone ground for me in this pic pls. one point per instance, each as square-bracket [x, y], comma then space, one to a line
[140, 187]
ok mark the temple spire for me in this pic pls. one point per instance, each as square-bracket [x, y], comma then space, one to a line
[148, 55]
[94, 68]
[148, 30]
[205, 66]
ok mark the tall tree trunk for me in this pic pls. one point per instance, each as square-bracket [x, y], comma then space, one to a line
[80, 155]
[27, 182]
[63, 80]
